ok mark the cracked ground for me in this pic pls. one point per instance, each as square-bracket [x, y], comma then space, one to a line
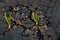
[23, 26]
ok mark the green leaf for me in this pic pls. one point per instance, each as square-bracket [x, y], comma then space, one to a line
[36, 19]
[33, 15]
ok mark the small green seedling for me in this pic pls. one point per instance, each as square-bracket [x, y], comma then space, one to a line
[35, 18]
[8, 19]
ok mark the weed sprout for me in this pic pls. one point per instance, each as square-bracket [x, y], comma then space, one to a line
[35, 18]
[8, 19]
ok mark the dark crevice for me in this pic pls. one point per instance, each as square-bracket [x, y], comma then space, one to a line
[18, 24]
[39, 35]
[58, 38]
[23, 33]
[5, 32]
[49, 36]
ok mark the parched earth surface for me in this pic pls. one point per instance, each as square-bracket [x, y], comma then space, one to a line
[22, 25]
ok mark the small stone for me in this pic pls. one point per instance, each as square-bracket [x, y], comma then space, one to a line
[41, 16]
[44, 27]
[18, 21]
[34, 28]
[16, 8]
[14, 27]
[23, 14]
[26, 16]
[4, 10]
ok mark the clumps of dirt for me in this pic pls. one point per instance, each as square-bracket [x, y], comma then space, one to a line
[22, 24]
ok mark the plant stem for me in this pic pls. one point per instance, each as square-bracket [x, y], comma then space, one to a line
[9, 27]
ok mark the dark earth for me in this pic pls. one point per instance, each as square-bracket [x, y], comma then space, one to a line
[22, 25]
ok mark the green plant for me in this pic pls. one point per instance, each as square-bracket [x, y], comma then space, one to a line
[35, 18]
[8, 19]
